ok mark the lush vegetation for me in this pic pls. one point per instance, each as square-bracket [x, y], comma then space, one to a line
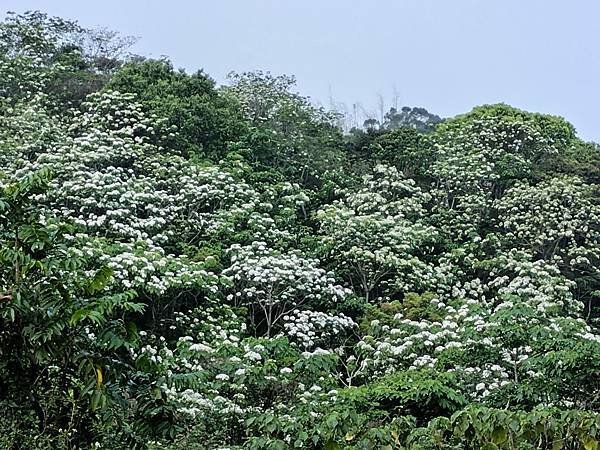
[187, 266]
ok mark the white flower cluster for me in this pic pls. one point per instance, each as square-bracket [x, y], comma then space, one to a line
[275, 283]
[213, 369]
[130, 197]
[488, 379]
[374, 235]
[314, 328]
[559, 219]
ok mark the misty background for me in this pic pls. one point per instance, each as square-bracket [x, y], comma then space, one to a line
[363, 57]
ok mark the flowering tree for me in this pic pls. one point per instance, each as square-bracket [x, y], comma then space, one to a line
[273, 284]
[184, 266]
[558, 221]
[288, 132]
[377, 236]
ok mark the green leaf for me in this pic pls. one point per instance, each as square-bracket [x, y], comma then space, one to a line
[499, 435]
[100, 279]
[96, 400]
[489, 446]
[589, 443]
[332, 421]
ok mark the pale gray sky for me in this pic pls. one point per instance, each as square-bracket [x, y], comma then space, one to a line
[444, 55]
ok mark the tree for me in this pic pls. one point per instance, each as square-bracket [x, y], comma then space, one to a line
[273, 284]
[558, 220]
[60, 328]
[207, 122]
[376, 236]
[58, 57]
[418, 118]
[287, 132]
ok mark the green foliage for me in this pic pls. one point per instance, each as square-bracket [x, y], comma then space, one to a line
[187, 267]
[420, 394]
[418, 118]
[58, 330]
[581, 159]
[541, 428]
[287, 132]
[404, 148]
[55, 56]
[207, 122]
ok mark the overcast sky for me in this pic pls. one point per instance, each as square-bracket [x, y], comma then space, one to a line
[444, 55]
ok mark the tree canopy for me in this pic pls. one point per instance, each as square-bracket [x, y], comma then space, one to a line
[185, 265]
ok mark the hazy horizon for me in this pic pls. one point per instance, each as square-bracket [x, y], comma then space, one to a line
[444, 56]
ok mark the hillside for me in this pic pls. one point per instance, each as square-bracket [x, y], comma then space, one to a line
[192, 266]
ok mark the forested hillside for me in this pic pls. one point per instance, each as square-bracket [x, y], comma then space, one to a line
[192, 266]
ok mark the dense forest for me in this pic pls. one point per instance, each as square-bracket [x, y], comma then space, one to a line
[185, 265]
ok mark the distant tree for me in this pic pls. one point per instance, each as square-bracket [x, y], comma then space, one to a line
[418, 118]
[371, 124]
[404, 147]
